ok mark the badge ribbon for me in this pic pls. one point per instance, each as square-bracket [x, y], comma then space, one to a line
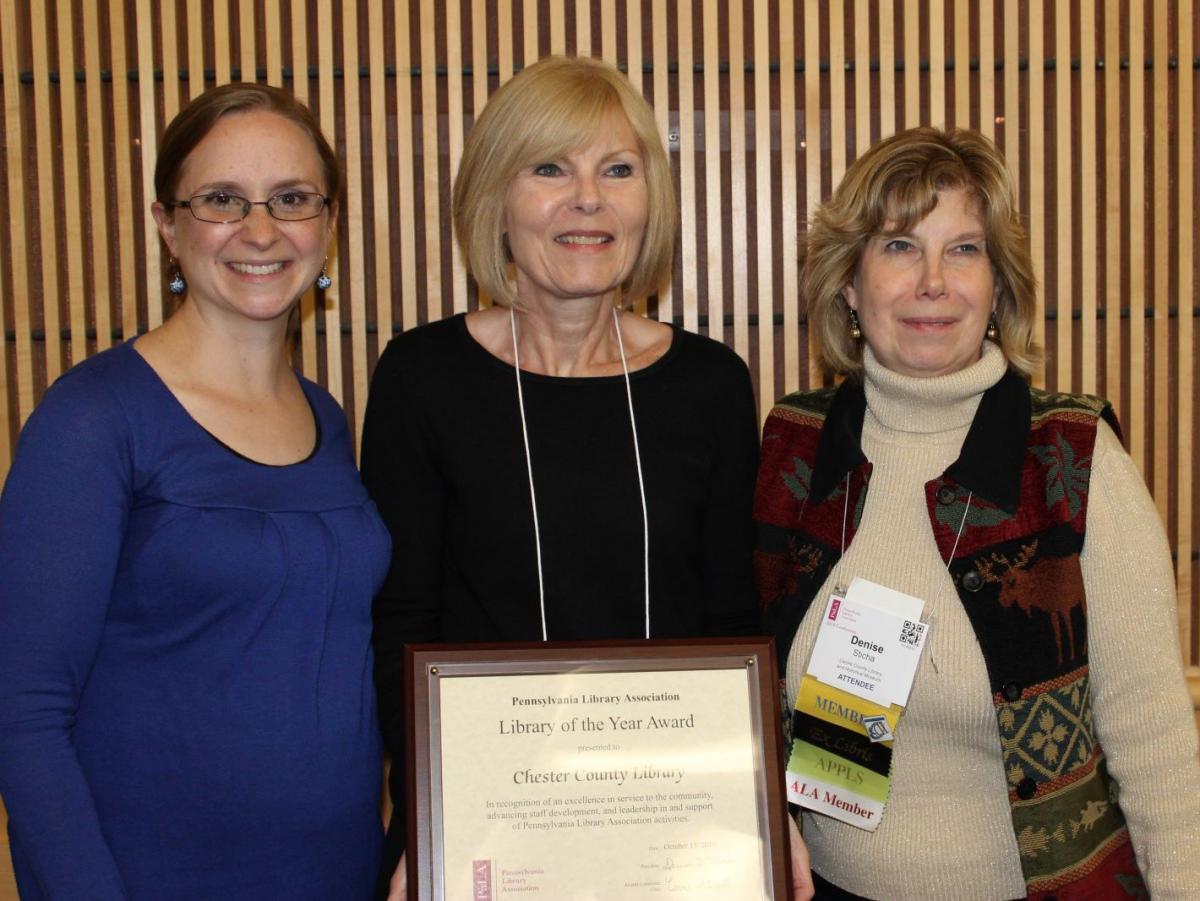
[850, 702]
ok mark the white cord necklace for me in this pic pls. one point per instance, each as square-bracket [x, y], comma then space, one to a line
[537, 533]
[957, 536]
[961, 523]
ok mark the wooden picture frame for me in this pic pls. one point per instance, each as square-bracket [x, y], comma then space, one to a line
[608, 769]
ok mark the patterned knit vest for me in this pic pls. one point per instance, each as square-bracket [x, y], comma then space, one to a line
[1018, 576]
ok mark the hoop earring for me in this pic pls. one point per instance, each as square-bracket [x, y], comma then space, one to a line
[993, 330]
[176, 285]
[855, 328]
[323, 280]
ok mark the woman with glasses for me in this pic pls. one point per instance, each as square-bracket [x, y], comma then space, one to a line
[186, 702]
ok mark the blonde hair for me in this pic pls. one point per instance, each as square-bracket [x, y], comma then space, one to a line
[888, 190]
[549, 109]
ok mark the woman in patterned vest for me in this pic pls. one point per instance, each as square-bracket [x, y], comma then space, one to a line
[1048, 748]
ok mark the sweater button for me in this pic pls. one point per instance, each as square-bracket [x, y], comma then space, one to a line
[972, 581]
[1026, 788]
[946, 495]
[1011, 691]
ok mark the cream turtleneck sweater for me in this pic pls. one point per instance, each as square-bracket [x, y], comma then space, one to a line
[946, 832]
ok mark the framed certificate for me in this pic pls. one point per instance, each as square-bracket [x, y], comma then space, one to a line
[606, 770]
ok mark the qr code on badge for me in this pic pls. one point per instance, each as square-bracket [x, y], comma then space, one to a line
[910, 633]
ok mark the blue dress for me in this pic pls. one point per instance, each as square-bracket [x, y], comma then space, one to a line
[186, 699]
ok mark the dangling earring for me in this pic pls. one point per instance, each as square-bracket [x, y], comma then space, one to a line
[323, 280]
[855, 328]
[176, 285]
[993, 330]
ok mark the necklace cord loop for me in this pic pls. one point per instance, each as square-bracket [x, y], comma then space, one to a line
[637, 454]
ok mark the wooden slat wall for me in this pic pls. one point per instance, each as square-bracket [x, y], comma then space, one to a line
[763, 105]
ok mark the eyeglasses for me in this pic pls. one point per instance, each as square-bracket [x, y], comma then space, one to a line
[224, 207]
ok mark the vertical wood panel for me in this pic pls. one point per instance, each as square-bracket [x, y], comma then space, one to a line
[1090, 214]
[44, 155]
[333, 301]
[1136, 120]
[938, 101]
[662, 112]
[221, 32]
[715, 243]
[962, 65]
[1113, 211]
[352, 290]
[787, 188]
[558, 28]
[739, 209]
[987, 68]
[530, 51]
[18, 229]
[381, 231]
[246, 35]
[1012, 94]
[912, 65]
[1160, 398]
[122, 141]
[74, 196]
[168, 42]
[381, 190]
[1184, 405]
[812, 139]
[686, 131]
[862, 77]
[764, 236]
[308, 302]
[195, 27]
[274, 43]
[504, 28]
[837, 90]
[147, 151]
[406, 161]
[1037, 171]
[1063, 169]
[429, 159]
[583, 28]
[479, 57]
[887, 68]
[454, 137]
[633, 43]
[98, 204]
[608, 34]
[635, 16]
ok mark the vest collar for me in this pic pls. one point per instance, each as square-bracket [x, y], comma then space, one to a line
[989, 464]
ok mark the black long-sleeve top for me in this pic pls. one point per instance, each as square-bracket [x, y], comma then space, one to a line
[444, 460]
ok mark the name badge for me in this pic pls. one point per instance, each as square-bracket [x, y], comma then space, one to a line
[870, 642]
[859, 678]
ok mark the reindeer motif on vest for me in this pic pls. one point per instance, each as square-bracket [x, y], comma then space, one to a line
[1016, 579]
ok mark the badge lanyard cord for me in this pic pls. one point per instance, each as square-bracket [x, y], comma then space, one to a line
[637, 454]
[958, 535]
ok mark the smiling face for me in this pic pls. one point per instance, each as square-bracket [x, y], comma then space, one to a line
[259, 267]
[575, 224]
[923, 298]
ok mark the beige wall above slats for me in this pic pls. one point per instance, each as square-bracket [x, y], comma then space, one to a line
[762, 105]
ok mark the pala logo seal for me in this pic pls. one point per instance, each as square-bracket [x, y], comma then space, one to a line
[877, 728]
